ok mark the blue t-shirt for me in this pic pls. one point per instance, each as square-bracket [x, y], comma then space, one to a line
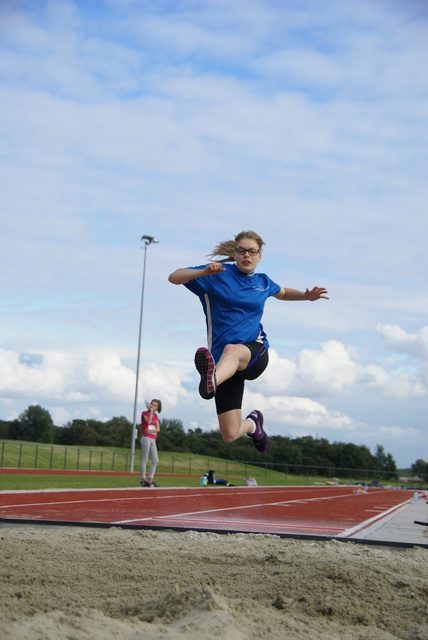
[233, 303]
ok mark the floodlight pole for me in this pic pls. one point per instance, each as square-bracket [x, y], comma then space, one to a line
[147, 240]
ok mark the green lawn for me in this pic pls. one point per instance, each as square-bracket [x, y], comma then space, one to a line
[174, 470]
[31, 482]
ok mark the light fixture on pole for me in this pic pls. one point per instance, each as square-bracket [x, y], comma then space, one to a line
[147, 240]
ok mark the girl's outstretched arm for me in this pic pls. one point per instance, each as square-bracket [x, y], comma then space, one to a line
[294, 294]
[183, 275]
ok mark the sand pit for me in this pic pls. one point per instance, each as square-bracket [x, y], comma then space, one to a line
[73, 583]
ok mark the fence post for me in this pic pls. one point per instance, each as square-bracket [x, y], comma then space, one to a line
[101, 461]
[78, 458]
[50, 464]
[2, 455]
[36, 457]
[112, 461]
[190, 466]
[65, 458]
[20, 455]
[90, 459]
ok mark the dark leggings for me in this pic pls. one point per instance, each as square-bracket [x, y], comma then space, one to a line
[229, 394]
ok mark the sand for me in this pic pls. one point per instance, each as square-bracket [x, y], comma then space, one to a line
[73, 583]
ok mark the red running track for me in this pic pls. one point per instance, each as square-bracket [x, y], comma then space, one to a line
[288, 511]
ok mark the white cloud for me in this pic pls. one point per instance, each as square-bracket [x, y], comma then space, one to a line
[330, 369]
[405, 373]
[398, 340]
[299, 413]
[66, 376]
[402, 385]
[399, 433]
[280, 375]
[93, 383]
[327, 370]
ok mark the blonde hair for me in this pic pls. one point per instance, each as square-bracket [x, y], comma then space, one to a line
[225, 251]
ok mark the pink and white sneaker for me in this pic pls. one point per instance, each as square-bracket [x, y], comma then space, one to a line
[205, 365]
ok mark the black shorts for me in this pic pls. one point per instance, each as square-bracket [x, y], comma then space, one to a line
[229, 394]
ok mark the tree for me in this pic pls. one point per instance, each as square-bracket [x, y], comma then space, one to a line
[37, 424]
[4, 429]
[120, 431]
[71, 433]
[283, 451]
[349, 457]
[385, 461]
[172, 436]
[420, 468]
[89, 437]
[380, 455]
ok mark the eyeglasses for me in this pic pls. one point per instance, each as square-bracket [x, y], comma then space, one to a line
[251, 252]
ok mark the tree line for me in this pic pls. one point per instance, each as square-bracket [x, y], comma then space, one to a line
[35, 424]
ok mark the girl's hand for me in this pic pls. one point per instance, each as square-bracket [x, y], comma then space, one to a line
[316, 293]
[214, 267]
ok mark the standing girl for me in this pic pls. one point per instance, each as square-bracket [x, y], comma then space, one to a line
[150, 425]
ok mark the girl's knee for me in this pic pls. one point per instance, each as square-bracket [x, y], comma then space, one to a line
[228, 437]
[230, 425]
[231, 349]
[230, 433]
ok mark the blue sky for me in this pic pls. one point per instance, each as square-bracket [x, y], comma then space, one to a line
[191, 121]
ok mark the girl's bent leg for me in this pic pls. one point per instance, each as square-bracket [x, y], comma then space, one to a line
[232, 426]
[235, 357]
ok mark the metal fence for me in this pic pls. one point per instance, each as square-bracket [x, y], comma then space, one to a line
[21, 455]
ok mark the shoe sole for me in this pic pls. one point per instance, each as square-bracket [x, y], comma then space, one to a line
[205, 365]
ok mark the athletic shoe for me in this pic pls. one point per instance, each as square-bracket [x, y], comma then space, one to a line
[152, 484]
[144, 483]
[260, 439]
[204, 363]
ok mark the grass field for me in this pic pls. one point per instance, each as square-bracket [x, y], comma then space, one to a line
[40, 481]
[174, 470]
